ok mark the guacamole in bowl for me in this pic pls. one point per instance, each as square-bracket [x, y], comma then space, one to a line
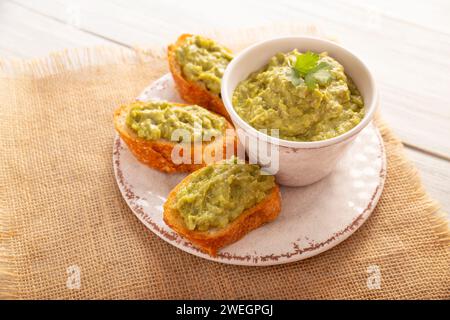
[310, 100]
[306, 96]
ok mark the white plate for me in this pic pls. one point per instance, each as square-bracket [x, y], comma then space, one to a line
[313, 219]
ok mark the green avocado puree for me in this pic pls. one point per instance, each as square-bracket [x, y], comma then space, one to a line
[159, 119]
[270, 99]
[203, 60]
[219, 193]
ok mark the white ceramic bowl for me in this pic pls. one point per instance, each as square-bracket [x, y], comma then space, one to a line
[298, 163]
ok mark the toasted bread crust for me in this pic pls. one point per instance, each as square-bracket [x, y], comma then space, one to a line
[193, 92]
[157, 154]
[211, 241]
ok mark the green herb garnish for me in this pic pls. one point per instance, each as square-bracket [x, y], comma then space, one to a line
[307, 69]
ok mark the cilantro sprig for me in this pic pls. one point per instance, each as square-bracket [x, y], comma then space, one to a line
[307, 69]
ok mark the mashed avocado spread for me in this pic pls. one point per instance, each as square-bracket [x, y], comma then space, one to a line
[303, 109]
[159, 119]
[203, 60]
[219, 193]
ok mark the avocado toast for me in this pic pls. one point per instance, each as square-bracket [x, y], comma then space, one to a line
[219, 204]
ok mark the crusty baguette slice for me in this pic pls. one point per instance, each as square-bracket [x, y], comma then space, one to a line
[212, 240]
[193, 92]
[157, 153]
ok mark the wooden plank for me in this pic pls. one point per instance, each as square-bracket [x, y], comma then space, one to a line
[430, 14]
[144, 22]
[410, 62]
[25, 34]
[435, 174]
[8, 53]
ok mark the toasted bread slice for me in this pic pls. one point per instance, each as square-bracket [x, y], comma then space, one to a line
[193, 92]
[157, 154]
[212, 240]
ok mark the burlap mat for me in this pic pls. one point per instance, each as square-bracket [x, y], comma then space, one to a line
[61, 207]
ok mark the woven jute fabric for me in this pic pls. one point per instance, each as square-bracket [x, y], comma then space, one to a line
[61, 208]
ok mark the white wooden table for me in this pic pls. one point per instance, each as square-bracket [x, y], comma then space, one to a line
[406, 43]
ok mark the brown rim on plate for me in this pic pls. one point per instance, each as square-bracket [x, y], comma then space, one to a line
[295, 253]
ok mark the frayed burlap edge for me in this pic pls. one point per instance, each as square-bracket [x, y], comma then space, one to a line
[70, 60]
[76, 59]
[438, 218]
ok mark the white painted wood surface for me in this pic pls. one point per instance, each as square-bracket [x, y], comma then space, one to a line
[406, 44]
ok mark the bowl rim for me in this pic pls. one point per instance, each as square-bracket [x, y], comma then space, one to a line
[239, 122]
